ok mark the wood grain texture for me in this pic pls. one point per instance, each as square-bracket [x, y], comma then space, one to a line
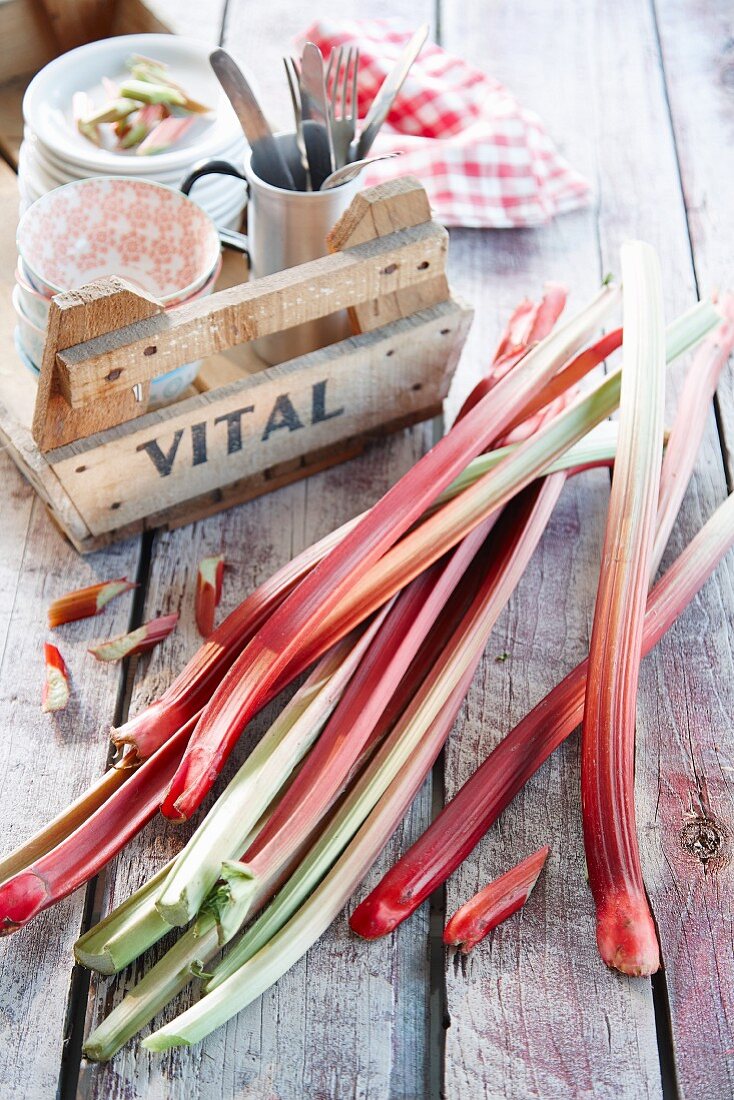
[533, 1012]
[519, 1003]
[75, 317]
[45, 762]
[697, 46]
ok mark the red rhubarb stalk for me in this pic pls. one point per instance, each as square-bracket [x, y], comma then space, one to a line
[85, 851]
[477, 805]
[530, 322]
[141, 640]
[56, 691]
[208, 592]
[625, 929]
[494, 904]
[246, 685]
[86, 601]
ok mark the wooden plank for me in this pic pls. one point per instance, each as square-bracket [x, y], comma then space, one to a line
[344, 1021]
[698, 57]
[690, 818]
[45, 762]
[533, 1012]
[150, 348]
[26, 40]
[325, 398]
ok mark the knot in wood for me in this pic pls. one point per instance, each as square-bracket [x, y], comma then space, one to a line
[703, 838]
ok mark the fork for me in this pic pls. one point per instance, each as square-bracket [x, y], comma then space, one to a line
[294, 84]
[343, 100]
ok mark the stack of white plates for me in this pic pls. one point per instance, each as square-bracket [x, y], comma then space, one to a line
[54, 152]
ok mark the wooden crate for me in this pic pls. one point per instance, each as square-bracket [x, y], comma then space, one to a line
[105, 472]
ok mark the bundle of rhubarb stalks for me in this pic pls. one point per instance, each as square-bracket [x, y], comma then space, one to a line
[389, 617]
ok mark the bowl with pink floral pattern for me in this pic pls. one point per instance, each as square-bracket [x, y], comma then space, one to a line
[151, 235]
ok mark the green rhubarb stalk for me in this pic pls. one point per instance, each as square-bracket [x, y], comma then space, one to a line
[126, 932]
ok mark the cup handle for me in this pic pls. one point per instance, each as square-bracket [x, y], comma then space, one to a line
[230, 238]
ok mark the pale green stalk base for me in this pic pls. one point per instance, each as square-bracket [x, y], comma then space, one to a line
[153, 992]
[126, 932]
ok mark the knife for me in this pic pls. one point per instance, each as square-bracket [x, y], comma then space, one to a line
[391, 85]
[316, 104]
[252, 120]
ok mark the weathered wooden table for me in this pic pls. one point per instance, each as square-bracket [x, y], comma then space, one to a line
[640, 96]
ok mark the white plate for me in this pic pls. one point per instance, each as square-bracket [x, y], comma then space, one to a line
[144, 166]
[47, 176]
[47, 101]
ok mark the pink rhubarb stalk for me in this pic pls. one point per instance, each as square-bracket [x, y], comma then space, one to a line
[477, 805]
[529, 323]
[625, 929]
[494, 904]
[208, 592]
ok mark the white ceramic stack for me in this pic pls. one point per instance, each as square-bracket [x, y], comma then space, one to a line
[54, 153]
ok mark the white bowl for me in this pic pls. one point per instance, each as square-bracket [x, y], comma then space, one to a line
[150, 234]
[32, 337]
[47, 104]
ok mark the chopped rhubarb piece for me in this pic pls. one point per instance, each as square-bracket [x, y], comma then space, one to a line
[208, 592]
[494, 904]
[55, 694]
[164, 135]
[85, 602]
[137, 641]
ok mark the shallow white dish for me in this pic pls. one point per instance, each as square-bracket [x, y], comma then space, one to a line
[47, 104]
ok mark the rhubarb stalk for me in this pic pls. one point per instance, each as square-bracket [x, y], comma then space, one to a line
[81, 855]
[208, 592]
[479, 802]
[494, 904]
[625, 929]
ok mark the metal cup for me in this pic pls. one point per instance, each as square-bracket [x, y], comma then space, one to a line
[284, 229]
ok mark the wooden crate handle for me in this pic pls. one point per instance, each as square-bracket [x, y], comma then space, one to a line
[377, 212]
[81, 315]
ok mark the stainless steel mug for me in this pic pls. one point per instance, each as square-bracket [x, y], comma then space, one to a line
[284, 229]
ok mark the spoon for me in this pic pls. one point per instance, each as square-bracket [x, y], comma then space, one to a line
[349, 171]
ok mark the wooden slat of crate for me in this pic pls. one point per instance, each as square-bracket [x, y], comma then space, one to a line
[337, 396]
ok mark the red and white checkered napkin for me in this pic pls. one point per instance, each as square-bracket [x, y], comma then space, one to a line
[484, 160]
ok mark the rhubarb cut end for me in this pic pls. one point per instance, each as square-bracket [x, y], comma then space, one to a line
[375, 918]
[627, 938]
[21, 898]
[159, 1041]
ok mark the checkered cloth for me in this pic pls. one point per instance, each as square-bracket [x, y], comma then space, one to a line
[484, 160]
